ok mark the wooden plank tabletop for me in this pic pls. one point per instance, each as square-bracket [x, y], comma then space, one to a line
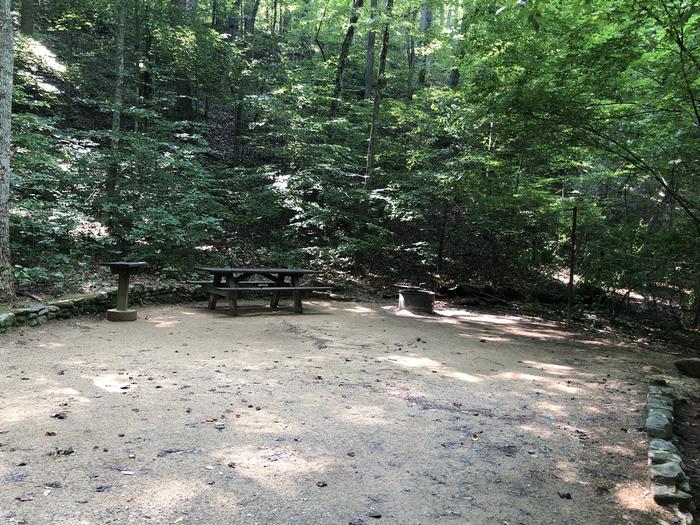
[287, 271]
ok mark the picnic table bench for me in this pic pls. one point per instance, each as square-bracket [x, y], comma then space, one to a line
[230, 283]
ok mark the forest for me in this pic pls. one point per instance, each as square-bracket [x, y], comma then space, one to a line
[445, 142]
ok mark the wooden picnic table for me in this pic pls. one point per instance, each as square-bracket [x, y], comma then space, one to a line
[231, 282]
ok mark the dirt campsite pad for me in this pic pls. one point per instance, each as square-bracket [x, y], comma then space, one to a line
[348, 414]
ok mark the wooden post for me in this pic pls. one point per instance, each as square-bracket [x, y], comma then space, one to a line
[572, 267]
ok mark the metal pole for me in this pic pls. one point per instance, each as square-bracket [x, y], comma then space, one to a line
[572, 267]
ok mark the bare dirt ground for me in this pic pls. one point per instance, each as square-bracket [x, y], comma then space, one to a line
[348, 414]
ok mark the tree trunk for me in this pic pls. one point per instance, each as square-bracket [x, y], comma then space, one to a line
[234, 18]
[318, 30]
[7, 290]
[381, 80]
[369, 65]
[344, 52]
[426, 22]
[441, 239]
[27, 17]
[411, 57]
[453, 81]
[250, 19]
[274, 16]
[113, 174]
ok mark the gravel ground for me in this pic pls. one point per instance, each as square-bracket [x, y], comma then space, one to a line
[348, 414]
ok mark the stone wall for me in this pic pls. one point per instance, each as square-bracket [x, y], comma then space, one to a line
[96, 303]
[669, 483]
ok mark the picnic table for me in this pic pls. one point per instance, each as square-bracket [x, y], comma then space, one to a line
[233, 282]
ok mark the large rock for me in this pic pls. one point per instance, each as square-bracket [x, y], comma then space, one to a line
[657, 457]
[28, 310]
[660, 401]
[665, 495]
[662, 444]
[658, 425]
[6, 319]
[689, 366]
[669, 473]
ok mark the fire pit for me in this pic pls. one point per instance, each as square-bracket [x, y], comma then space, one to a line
[413, 299]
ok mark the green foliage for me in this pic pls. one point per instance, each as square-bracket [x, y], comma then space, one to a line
[228, 152]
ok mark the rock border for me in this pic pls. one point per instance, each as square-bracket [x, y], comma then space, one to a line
[96, 303]
[670, 485]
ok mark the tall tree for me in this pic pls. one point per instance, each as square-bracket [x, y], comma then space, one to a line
[411, 58]
[118, 102]
[376, 105]
[426, 23]
[252, 16]
[369, 63]
[344, 52]
[6, 66]
[27, 17]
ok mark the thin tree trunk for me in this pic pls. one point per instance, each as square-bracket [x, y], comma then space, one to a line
[381, 80]
[274, 16]
[441, 239]
[344, 52]
[7, 290]
[318, 30]
[369, 64]
[27, 17]
[696, 321]
[138, 55]
[113, 174]
[411, 57]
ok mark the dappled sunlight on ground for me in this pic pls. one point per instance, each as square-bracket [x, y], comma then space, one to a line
[321, 418]
[365, 415]
[547, 382]
[51, 345]
[164, 496]
[464, 315]
[568, 472]
[113, 383]
[360, 310]
[539, 431]
[433, 366]
[164, 322]
[634, 496]
[271, 466]
[552, 408]
[618, 450]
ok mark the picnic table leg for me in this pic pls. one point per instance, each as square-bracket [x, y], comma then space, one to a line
[233, 298]
[297, 302]
[275, 301]
[233, 304]
[214, 298]
[297, 296]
